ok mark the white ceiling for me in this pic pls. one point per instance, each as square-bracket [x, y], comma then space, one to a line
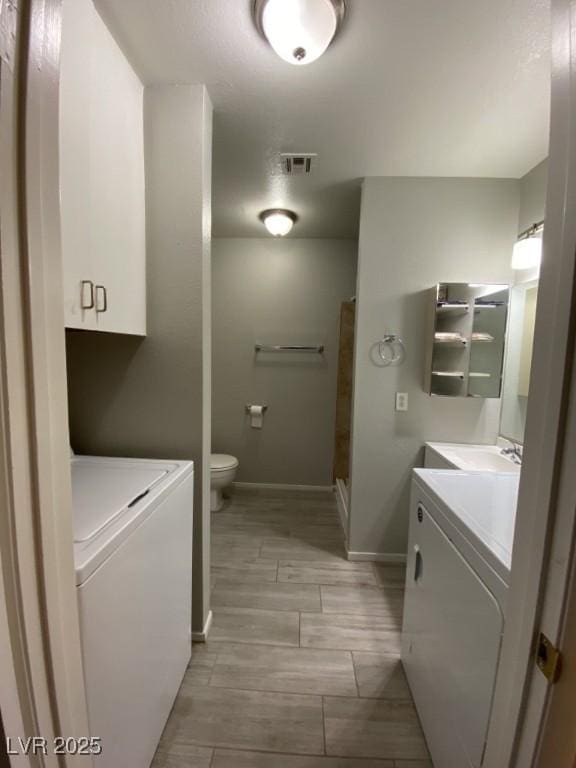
[409, 88]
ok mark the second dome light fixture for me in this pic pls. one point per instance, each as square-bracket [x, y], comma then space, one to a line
[299, 30]
[278, 221]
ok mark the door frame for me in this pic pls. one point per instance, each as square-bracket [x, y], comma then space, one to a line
[40, 662]
[557, 730]
[545, 521]
[38, 610]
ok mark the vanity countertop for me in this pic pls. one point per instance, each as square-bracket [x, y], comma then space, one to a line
[482, 506]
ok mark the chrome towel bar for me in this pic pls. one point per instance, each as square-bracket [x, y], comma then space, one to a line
[318, 348]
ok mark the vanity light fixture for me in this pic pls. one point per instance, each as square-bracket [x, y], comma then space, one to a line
[527, 252]
[278, 221]
[299, 30]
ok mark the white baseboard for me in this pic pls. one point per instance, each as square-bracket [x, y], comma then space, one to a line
[284, 487]
[202, 637]
[342, 503]
[377, 557]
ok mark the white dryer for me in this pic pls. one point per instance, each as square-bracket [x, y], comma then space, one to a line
[457, 576]
[133, 558]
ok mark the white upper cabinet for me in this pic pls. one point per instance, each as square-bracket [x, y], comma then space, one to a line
[101, 178]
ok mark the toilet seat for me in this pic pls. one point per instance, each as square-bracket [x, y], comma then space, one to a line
[222, 462]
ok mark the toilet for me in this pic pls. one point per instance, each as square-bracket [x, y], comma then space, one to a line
[222, 473]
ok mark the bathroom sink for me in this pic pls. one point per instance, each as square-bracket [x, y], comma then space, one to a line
[486, 458]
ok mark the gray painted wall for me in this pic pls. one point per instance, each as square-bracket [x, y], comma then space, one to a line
[533, 196]
[415, 232]
[278, 291]
[151, 397]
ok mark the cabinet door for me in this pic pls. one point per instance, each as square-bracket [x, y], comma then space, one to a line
[75, 164]
[450, 645]
[102, 176]
[117, 186]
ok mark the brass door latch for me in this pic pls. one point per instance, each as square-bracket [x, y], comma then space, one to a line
[548, 659]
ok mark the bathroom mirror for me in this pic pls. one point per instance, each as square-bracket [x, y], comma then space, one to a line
[466, 350]
[523, 299]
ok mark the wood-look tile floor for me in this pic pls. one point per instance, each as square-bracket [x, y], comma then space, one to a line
[302, 667]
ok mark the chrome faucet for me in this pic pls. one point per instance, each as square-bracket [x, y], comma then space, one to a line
[514, 452]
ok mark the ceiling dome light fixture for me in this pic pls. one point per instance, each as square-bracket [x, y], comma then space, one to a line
[527, 252]
[299, 30]
[278, 221]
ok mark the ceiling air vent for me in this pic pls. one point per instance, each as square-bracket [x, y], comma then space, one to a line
[298, 164]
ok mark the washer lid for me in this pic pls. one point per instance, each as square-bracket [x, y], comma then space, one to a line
[102, 489]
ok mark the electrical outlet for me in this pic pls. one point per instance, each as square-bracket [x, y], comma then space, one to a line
[401, 401]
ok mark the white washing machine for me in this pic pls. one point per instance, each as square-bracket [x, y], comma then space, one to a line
[133, 558]
[457, 576]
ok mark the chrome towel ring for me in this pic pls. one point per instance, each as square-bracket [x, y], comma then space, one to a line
[391, 349]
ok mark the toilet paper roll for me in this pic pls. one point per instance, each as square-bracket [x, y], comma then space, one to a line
[256, 416]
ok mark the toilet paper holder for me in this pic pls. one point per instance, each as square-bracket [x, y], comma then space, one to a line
[249, 408]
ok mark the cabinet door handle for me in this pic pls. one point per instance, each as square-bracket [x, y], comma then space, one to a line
[101, 291]
[86, 287]
[418, 563]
